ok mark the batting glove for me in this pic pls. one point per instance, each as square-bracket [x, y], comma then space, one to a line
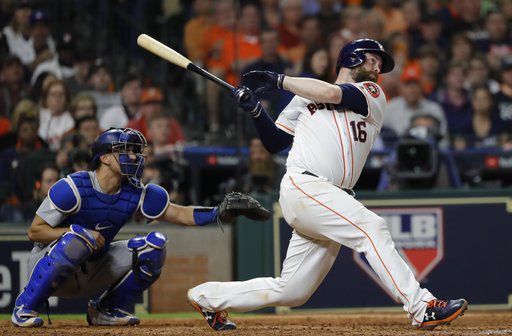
[247, 101]
[270, 80]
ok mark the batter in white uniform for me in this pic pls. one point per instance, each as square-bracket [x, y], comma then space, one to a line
[331, 141]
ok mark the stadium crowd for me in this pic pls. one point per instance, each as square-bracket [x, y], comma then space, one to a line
[70, 69]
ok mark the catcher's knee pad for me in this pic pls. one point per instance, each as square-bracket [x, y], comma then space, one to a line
[147, 262]
[58, 264]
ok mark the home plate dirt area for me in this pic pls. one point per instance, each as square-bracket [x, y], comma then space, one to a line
[472, 323]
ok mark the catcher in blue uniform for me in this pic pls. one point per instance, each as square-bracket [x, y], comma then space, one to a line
[74, 254]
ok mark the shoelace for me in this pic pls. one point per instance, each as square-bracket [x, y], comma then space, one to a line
[437, 303]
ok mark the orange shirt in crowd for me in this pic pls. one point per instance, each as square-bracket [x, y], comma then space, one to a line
[212, 42]
[176, 134]
[195, 29]
[247, 49]
[5, 126]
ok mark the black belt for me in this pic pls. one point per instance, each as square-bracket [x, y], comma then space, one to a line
[347, 190]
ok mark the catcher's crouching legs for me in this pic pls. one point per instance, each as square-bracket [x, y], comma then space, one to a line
[113, 305]
[64, 256]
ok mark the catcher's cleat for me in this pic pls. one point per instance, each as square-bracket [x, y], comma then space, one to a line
[441, 312]
[27, 318]
[217, 321]
[109, 317]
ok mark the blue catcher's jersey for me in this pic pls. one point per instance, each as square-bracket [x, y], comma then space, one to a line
[103, 212]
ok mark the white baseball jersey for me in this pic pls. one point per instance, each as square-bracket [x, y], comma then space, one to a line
[333, 143]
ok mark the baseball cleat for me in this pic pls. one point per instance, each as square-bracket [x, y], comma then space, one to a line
[109, 317]
[27, 318]
[217, 321]
[441, 312]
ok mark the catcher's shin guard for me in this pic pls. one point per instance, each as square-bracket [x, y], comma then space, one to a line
[148, 260]
[58, 264]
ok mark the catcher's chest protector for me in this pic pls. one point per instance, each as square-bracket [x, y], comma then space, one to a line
[102, 212]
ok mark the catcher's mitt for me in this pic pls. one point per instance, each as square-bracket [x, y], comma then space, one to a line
[237, 204]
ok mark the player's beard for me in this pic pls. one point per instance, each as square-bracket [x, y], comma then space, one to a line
[360, 74]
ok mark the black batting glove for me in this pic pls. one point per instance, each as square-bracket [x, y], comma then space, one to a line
[247, 101]
[270, 80]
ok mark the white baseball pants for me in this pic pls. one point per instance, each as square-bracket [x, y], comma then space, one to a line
[323, 217]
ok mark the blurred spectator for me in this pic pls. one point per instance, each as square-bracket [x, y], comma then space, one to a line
[478, 74]
[120, 115]
[152, 101]
[42, 41]
[328, 14]
[62, 63]
[430, 34]
[213, 42]
[270, 13]
[429, 63]
[101, 85]
[41, 84]
[393, 17]
[79, 159]
[70, 142]
[25, 141]
[223, 27]
[17, 33]
[24, 108]
[289, 31]
[352, 23]
[45, 177]
[454, 99]
[263, 174]
[239, 49]
[82, 63]
[412, 16]
[465, 16]
[485, 126]
[373, 25]
[310, 39]
[195, 29]
[270, 61]
[159, 130]
[12, 87]
[497, 41]
[317, 65]
[88, 128]
[503, 98]
[462, 49]
[83, 105]
[411, 103]
[54, 117]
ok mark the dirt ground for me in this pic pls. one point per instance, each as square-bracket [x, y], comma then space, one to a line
[472, 323]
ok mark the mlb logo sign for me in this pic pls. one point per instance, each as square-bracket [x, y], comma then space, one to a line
[418, 237]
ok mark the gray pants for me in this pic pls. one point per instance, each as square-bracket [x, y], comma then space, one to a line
[99, 274]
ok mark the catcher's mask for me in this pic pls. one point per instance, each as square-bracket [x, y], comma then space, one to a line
[128, 143]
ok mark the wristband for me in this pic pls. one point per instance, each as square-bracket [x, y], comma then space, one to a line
[205, 216]
[280, 80]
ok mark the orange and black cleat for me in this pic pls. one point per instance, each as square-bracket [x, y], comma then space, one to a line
[216, 320]
[441, 312]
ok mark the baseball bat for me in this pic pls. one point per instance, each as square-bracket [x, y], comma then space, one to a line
[170, 55]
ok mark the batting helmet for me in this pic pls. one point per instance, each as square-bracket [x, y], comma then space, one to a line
[126, 142]
[353, 54]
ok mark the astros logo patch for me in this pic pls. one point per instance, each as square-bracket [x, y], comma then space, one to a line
[418, 237]
[372, 88]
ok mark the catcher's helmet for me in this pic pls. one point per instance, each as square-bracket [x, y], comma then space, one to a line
[124, 141]
[353, 54]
